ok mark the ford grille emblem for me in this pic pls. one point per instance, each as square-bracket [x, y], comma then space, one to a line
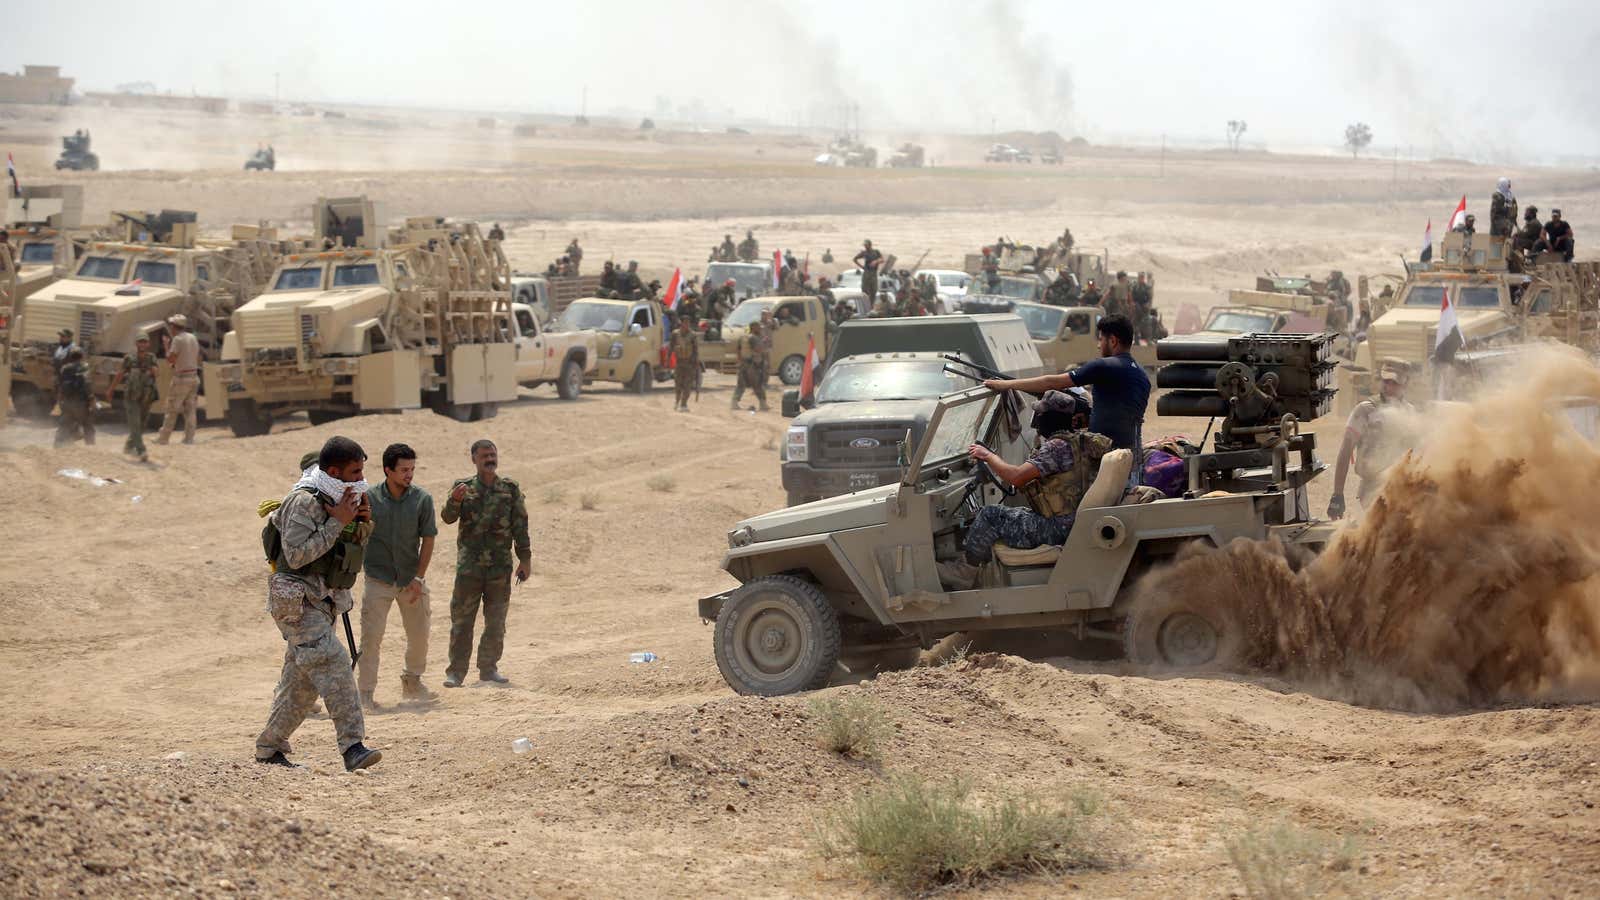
[863, 443]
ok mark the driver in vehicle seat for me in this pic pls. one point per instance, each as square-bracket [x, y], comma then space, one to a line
[1054, 478]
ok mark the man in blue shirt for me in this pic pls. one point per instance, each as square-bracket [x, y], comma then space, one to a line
[1120, 387]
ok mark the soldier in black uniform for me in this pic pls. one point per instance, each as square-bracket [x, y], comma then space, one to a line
[628, 286]
[1557, 237]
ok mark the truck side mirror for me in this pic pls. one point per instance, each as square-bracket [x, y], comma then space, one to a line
[635, 329]
[791, 403]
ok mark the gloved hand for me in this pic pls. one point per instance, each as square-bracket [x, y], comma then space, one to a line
[1336, 507]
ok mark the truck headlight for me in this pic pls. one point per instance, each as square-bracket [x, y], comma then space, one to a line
[795, 446]
[616, 350]
[742, 536]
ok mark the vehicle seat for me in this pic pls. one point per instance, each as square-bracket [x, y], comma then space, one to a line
[1109, 483]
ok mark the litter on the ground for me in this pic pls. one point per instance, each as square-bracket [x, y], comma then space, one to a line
[81, 475]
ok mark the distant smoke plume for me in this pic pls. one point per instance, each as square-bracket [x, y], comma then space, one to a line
[1041, 87]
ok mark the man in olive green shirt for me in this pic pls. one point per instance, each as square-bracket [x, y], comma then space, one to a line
[494, 519]
[395, 569]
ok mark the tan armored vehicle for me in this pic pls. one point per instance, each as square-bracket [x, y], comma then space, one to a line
[909, 156]
[379, 322]
[854, 577]
[40, 226]
[1551, 300]
[120, 290]
[8, 316]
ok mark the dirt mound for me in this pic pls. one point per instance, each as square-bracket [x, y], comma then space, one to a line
[132, 836]
[1470, 581]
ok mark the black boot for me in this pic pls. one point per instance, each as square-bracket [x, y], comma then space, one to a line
[359, 757]
[277, 759]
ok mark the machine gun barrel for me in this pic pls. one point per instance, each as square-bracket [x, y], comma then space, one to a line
[979, 372]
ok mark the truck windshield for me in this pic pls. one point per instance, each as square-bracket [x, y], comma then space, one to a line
[851, 381]
[304, 279]
[38, 253]
[849, 279]
[1429, 295]
[106, 268]
[1017, 288]
[747, 279]
[962, 424]
[587, 315]
[953, 279]
[356, 275]
[151, 272]
[1044, 322]
[1478, 298]
[1235, 322]
[748, 312]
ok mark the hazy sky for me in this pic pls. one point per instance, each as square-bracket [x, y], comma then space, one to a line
[1467, 78]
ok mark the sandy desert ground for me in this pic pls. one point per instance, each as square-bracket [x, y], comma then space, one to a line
[136, 629]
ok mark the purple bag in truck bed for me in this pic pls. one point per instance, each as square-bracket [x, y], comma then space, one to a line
[1165, 472]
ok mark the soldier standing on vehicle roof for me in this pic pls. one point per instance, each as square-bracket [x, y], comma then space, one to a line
[139, 372]
[77, 405]
[869, 259]
[575, 253]
[608, 277]
[315, 559]
[1054, 478]
[754, 349]
[1120, 387]
[686, 363]
[494, 520]
[1119, 297]
[1143, 310]
[496, 233]
[726, 251]
[1502, 209]
[749, 248]
[1376, 436]
[183, 352]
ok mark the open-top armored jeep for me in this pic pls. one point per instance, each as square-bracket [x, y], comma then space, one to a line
[853, 576]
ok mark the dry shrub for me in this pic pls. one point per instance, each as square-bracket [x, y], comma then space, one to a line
[850, 724]
[589, 501]
[661, 484]
[554, 494]
[915, 834]
[1283, 861]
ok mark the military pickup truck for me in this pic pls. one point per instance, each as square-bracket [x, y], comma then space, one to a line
[627, 337]
[1065, 336]
[800, 320]
[564, 359]
[881, 384]
[853, 578]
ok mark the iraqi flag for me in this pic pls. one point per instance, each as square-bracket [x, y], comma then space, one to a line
[1459, 216]
[11, 172]
[777, 269]
[808, 377]
[1427, 242]
[1448, 339]
[674, 288]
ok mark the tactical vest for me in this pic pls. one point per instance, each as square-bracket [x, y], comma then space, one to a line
[1059, 494]
[338, 568]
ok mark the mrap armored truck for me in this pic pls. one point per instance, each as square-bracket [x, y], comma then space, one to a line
[376, 321]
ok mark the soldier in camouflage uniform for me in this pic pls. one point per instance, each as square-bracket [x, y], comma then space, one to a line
[139, 373]
[1144, 314]
[1119, 297]
[317, 560]
[749, 248]
[686, 363]
[1054, 478]
[77, 406]
[494, 517]
[754, 351]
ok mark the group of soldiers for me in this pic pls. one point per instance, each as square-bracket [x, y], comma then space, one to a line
[754, 354]
[1133, 299]
[747, 250]
[75, 396]
[568, 264]
[1532, 237]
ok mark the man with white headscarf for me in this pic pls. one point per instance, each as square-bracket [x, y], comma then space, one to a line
[1502, 210]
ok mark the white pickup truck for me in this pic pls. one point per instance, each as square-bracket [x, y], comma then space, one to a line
[565, 359]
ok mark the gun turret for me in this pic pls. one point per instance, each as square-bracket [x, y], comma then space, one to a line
[1263, 386]
[170, 226]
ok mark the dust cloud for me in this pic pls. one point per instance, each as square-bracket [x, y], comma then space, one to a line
[1473, 579]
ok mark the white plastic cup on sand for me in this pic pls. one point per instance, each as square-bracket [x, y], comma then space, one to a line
[522, 745]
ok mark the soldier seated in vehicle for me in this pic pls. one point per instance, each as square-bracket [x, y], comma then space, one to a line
[1054, 478]
[1557, 237]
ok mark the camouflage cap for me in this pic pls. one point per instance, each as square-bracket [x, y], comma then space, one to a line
[1394, 369]
[1064, 403]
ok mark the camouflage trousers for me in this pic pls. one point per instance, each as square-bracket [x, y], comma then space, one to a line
[1015, 526]
[493, 593]
[683, 382]
[138, 414]
[312, 669]
[753, 377]
[77, 419]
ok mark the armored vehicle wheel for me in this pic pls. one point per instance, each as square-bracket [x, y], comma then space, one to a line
[245, 419]
[776, 635]
[792, 370]
[31, 403]
[642, 379]
[1174, 633]
[571, 383]
[486, 410]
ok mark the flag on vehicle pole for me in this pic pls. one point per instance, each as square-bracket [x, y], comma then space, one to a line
[1427, 242]
[1448, 339]
[674, 288]
[1459, 216]
[11, 171]
[807, 378]
[777, 269]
